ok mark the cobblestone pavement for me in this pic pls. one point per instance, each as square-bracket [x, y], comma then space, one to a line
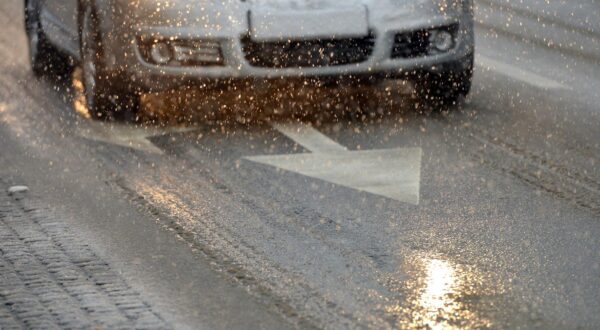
[49, 278]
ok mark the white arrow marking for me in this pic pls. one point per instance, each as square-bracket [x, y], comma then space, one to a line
[392, 173]
[518, 73]
[309, 138]
[128, 136]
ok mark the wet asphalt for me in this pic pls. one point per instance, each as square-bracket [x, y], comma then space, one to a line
[506, 232]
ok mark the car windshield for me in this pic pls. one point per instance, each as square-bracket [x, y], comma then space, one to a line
[326, 164]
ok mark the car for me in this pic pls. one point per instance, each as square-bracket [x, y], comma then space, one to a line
[129, 47]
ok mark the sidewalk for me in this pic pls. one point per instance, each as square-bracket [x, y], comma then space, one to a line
[50, 279]
[568, 25]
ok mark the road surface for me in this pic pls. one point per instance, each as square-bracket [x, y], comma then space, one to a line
[275, 206]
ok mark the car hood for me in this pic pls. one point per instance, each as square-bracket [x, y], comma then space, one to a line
[306, 4]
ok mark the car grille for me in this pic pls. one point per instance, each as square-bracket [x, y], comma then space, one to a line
[411, 44]
[308, 53]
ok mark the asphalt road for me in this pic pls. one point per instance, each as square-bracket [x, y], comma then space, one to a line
[271, 206]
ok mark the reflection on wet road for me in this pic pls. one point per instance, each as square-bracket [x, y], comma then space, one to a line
[440, 294]
[442, 297]
[439, 298]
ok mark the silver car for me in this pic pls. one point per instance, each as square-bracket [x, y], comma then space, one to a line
[129, 47]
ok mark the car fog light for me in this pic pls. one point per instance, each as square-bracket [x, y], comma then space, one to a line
[442, 40]
[161, 53]
[198, 52]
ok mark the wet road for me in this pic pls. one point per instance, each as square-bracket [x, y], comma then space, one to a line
[331, 206]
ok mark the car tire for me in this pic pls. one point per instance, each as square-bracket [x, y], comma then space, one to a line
[104, 95]
[444, 90]
[44, 57]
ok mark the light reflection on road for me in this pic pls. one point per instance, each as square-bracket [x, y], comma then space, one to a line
[440, 283]
[169, 201]
[439, 303]
[442, 295]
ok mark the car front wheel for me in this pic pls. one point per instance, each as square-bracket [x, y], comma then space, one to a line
[444, 90]
[44, 57]
[104, 94]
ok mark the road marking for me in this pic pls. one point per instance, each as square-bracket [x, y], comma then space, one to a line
[129, 136]
[309, 138]
[518, 73]
[392, 173]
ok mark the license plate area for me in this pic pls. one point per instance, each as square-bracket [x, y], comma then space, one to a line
[268, 24]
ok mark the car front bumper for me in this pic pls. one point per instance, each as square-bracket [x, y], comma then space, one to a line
[384, 28]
